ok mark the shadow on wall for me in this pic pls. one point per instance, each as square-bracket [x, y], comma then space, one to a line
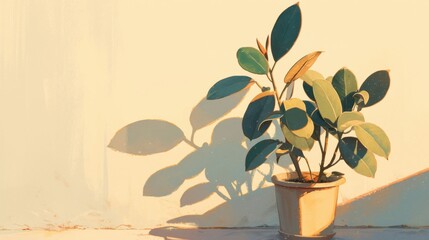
[403, 201]
[221, 160]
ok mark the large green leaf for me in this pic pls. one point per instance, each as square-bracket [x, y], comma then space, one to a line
[377, 85]
[301, 67]
[327, 100]
[228, 86]
[296, 118]
[285, 31]
[373, 138]
[299, 142]
[259, 153]
[147, 137]
[349, 119]
[250, 59]
[259, 108]
[344, 82]
[358, 157]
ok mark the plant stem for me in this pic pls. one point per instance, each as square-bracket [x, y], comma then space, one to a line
[296, 165]
[284, 89]
[271, 78]
[309, 169]
[257, 84]
[325, 149]
[335, 152]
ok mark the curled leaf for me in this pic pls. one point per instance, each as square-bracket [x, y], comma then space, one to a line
[301, 66]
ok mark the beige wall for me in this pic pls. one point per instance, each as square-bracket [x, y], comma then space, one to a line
[74, 72]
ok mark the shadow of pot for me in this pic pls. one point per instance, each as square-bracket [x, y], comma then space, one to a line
[306, 210]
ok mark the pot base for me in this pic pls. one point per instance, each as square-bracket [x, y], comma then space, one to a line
[286, 236]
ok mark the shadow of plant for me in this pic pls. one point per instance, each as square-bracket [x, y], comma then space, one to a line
[221, 160]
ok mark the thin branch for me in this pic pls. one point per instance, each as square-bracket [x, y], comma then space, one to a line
[335, 152]
[257, 84]
[309, 169]
[284, 89]
[322, 165]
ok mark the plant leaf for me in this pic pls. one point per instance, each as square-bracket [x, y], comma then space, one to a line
[327, 100]
[373, 138]
[274, 115]
[311, 75]
[259, 108]
[358, 157]
[308, 90]
[377, 85]
[261, 47]
[147, 137]
[349, 119]
[251, 60]
[259, 153]
[228, 86]
[285, 31]
[299, 142]
[296, 118]
[361, 97]
[344, 82]
[301, 67]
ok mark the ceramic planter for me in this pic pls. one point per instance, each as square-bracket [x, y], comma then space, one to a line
[306, 210]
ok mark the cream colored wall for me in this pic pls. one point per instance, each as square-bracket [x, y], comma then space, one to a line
[74, 72]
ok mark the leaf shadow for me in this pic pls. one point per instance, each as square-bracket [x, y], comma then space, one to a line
[222, 160]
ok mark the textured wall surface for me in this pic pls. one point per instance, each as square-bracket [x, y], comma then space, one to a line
[72, 73]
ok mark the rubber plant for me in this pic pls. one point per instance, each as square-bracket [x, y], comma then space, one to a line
[333, 110]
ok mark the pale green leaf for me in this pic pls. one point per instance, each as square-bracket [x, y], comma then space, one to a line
[373, 138]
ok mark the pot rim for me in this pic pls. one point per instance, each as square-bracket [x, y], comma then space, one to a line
[281, 180]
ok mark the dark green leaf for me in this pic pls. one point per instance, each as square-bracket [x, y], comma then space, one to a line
[308, 90]
[296, 119]
[228, 86]
[147, 137]
[259, 108]
[259, 153]
[285, 31]
[345, 84]
[250, 59]
[272, 116]
[377, 85]
[358, 157]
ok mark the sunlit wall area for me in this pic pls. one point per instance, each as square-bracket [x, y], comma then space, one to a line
[73, 74]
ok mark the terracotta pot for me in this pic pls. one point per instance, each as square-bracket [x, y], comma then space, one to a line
[306, 210]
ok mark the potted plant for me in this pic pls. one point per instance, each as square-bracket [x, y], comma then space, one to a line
[307, 200]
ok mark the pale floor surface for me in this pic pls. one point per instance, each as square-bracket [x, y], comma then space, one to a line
[210, 234]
